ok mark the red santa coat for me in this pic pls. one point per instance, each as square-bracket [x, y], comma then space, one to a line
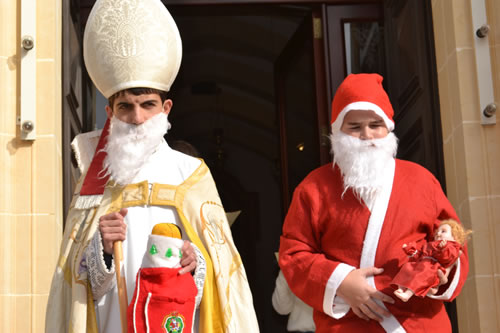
[324, 231]
[420, 273]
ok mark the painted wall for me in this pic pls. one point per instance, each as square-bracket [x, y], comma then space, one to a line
[472, 154]
[30, 171]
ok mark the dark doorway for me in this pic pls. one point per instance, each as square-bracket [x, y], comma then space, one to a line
[246, 80]
[77, 94]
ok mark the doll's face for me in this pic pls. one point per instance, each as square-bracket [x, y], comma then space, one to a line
[444, 233]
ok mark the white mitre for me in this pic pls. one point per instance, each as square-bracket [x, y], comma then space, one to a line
[131, 44]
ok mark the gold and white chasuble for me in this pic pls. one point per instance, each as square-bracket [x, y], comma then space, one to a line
[226, 305]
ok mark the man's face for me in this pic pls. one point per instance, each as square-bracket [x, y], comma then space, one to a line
[364, 125]
[133, 109]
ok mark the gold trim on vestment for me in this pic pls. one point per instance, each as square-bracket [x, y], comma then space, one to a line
[163, 195]
[135, 195]
[211, 318]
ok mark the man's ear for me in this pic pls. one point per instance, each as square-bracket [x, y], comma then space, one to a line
[167, 106]
[109, 112]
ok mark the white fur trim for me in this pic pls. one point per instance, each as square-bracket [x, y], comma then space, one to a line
[333, 305]
[368, 106]
[453, 285]
[377, 217]
[390, 324]
[372, 237]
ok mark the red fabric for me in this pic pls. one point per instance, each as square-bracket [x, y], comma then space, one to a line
[323, 229]
[94, 182]
[420, 273]
[171, 303]
[361, 88]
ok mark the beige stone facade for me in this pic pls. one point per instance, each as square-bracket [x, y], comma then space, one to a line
[472, 154]
[31, 171]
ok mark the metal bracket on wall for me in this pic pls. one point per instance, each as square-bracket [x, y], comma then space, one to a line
[483, 63]
[27, 100]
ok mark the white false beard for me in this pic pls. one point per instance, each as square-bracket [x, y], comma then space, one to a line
[129, 146]
[363, 162]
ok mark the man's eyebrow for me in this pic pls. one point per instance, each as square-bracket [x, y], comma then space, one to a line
[123, 104]
[150, 101]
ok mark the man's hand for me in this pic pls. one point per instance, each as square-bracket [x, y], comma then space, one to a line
[361, 296]
[188, 261]
[113, 228]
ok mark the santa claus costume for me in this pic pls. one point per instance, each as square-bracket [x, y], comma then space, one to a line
[329, 231]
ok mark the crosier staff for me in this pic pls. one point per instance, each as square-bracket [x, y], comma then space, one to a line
[120, 282]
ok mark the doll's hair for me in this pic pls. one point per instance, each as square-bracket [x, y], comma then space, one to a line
[458, 231]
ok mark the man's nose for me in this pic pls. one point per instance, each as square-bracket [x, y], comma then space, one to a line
[366, 133]
[137, 116]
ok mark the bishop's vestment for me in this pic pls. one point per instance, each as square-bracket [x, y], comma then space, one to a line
[193, 201]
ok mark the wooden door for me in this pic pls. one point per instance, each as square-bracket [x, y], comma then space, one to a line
[298, 123]
[412, 82]
[77, 95]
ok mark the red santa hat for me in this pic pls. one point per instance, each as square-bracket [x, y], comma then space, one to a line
[361, 92]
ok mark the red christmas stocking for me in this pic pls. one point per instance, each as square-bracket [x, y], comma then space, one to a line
[163, 301]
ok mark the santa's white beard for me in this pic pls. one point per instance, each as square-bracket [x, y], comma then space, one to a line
[130, 146]
[362, 162]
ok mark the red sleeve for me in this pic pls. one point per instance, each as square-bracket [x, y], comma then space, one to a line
[448, 254]
[412, 251]
[304, 267]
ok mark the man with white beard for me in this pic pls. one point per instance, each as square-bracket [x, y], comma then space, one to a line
[132, 180]
[343, 234]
